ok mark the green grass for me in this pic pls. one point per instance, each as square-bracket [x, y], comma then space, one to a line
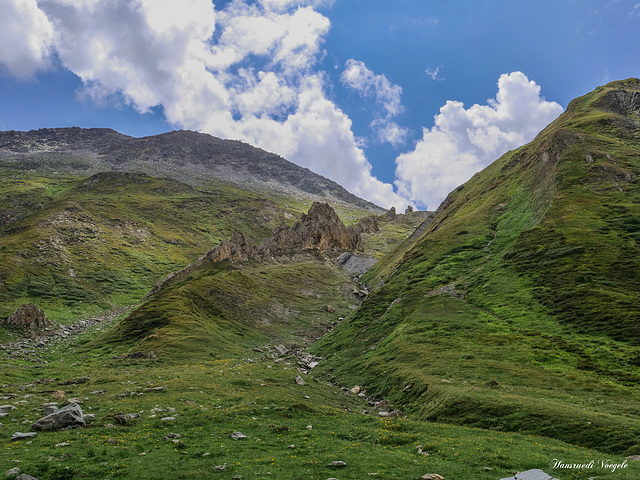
[103, 241]
[515, 310]
[257, 396]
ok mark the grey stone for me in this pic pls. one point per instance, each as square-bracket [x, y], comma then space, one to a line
[300, 381]
[21, 436]
[237, 436]
[51, 409]
[24, 476]
[67, 417]
[6, 408]
[337, 464]
[535, 474]
[13, 471]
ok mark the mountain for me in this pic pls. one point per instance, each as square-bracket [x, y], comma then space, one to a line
[189, 157]
[93, 219]
[496, 335]
[515, 308]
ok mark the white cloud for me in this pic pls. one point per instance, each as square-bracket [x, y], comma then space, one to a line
[247, 71]
[464, 141]
[635, 11]
[369, 85]
[25, 37]
[434, 73]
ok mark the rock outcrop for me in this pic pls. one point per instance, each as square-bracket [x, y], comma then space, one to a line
[390, 215]
[320, 228]
[67, 417]
[29, 318]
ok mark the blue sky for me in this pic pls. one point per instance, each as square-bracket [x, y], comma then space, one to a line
[399, 101]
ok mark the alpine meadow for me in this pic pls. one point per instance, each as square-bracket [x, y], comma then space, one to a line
[182, 306]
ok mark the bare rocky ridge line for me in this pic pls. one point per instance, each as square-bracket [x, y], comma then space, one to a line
[189, 157]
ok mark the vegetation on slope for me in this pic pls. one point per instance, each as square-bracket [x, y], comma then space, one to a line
[515, 309]
[72, 244]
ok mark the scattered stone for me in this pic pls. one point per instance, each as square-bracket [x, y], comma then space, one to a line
[21, 436]
[154, 389]
[219, 468]
[300, 381]
[90, 417]
[535, 474]
[98, 392]
[167, 419]
[421, 451]
[24, 476]
[67, 417]
[356, 390]
[63, 444]
[6, 408]
[282, 350]
[172, 436]
[634, 458]
[292, 447]
[432, 476]
[59, 394]
[382, 413]
[337, 464]
[237, 436]
[309, 427]
[488, 469]
[331, 309]
[13, 471]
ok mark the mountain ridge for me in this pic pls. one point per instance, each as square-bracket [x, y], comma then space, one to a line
[187, 156]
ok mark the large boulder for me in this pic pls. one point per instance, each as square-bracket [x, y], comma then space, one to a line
[29, 318]
[67, 417]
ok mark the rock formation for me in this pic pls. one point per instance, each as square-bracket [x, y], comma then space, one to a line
[390, 215]
[320, 229]
[29, 318]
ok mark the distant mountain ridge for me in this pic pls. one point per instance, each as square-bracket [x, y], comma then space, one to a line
[182, 155]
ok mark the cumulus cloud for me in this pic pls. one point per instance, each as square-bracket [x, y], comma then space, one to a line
[378, 87]
[25, 37]
[464, 141]
[248, 71]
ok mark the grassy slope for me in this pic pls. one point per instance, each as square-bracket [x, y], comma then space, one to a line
[254, 394]
[221, 311]
[74, 244]
[516, 311]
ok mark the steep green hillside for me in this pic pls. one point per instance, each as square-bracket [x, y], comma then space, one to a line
[219, 311]
[73, 244]
[516, 308]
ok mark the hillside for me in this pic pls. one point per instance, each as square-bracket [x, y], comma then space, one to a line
[516, 309]
[91, 219]
[252, 349]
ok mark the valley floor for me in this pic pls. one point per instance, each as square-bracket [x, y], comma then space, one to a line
[292, 431]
